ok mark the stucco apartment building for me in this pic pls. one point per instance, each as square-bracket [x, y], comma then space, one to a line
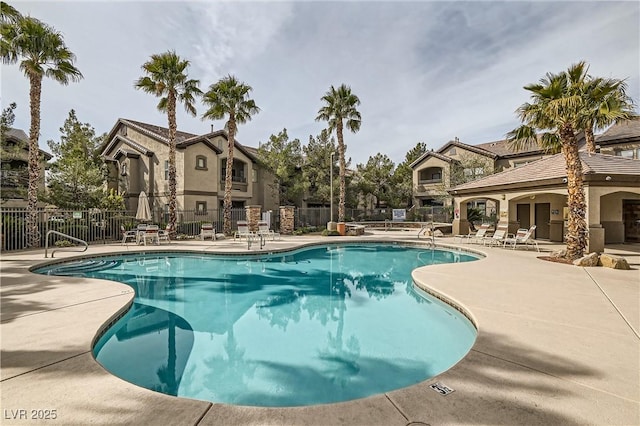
[530, 186]
[435, 172]
[15, 169]
[138, 157]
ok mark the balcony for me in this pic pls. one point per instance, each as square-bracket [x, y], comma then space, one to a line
[429, 181]
[14, 178]
[238, 183]
[11, 154]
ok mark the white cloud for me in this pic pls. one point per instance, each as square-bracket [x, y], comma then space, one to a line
[424, 71]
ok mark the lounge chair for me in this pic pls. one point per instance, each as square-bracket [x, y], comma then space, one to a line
[126, 235]
[243, 231]
[524, 237]
[207, 231]
[263, 229]
[480, 234]
[498, 236]
[164, 234]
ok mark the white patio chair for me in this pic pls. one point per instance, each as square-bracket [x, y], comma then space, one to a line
[243, 231]
[207, 231]
[523, 237]
[498, 236]
[128, 235]
[480, 234]
[164, 234]
[263, 229]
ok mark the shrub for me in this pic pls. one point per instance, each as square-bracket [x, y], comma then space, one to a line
[305, 230]
[63, 243]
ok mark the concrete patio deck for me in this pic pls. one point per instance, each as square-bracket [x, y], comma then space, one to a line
[557, 344]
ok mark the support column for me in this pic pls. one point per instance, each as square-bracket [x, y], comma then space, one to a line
[459, 226]
[253, 216]
[287, 219]
[595, 242]
[596, 239]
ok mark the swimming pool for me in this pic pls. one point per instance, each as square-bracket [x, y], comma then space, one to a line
[317, 325]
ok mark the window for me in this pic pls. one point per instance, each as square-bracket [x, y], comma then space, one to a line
[430, 175]
[201, 207]
[474, 172]
[123, 130]
[452, 151]
[237, 172]
[201, 162]
[166, 169]
[123, 169]
[626, 153]
[234, 204]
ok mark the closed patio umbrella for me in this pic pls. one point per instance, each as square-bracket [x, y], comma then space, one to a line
[144, 212]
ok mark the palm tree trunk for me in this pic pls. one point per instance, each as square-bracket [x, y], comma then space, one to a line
[577, 234]
[343, 167]
[171, 111]
[228, 183]
[35, 91]
[591, 140]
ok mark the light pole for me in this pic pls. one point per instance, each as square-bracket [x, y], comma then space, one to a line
[331, 188]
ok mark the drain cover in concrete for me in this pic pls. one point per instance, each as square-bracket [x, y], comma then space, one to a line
[441, 388]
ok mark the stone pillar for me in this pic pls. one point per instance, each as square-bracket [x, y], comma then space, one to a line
[253, 217]
[287, 219]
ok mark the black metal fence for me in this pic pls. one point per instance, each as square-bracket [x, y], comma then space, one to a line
[103, 226]
[99, 226]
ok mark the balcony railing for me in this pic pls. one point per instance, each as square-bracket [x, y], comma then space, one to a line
[13, 178]
[429, 181]
[235, 179]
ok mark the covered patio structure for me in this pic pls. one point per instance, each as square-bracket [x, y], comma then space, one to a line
[536, 194]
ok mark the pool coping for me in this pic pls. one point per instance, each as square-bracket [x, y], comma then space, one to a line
[589, 399]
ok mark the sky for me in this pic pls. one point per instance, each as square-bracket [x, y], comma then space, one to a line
[424, 71]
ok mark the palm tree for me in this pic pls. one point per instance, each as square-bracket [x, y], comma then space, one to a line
[41, 51]
[340, 105]
[557, 110]
[607, 103]
[167, 78]
[8, 14]
[229, 97]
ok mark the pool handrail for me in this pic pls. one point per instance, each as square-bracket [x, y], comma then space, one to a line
[78, 240]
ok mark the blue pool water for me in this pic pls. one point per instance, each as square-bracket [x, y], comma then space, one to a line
[319, 325]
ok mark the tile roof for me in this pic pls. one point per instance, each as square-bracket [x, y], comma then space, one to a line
[20, 135]
[501, 148]
[473, 148]
[621, 132]
[162, 132]
[554, 167]
[431, 154]
[184, 139]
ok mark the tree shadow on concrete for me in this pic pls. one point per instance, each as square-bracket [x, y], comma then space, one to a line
[18, 287]
[499, 389]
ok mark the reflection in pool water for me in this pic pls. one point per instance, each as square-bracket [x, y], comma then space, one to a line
[318, 325]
